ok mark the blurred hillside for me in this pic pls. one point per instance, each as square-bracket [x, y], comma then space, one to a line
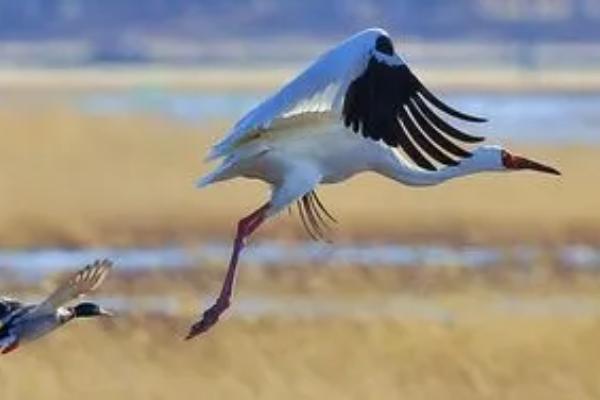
[188, 31]
[504, 19]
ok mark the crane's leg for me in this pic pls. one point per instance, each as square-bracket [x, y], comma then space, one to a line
[300, 179]
[245, 228]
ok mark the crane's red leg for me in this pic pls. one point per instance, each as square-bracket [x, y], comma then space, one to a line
[245, 228]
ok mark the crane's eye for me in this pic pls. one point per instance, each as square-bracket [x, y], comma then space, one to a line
[384, 45]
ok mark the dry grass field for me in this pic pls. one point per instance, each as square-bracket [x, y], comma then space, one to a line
[486, 358]
[495, 335]
[77, 179]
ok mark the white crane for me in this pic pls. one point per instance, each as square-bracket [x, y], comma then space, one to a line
[349, 112]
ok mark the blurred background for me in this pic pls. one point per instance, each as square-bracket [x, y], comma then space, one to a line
[483, 288]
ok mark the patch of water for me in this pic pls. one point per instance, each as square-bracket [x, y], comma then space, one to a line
[35, 263]
[565, 118]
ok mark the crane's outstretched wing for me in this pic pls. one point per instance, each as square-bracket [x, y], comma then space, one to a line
[83, 282]
[321, 87]
[388, 102]
[374, 93]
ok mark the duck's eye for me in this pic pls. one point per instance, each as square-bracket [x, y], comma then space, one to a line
[384, 45]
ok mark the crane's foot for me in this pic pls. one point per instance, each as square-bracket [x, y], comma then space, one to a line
[209, 318]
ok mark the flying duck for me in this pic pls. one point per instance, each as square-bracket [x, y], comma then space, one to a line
[20, 322]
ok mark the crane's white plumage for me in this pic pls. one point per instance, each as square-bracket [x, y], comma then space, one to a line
[349, 112]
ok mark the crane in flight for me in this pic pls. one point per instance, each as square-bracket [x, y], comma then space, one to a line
[357, 108]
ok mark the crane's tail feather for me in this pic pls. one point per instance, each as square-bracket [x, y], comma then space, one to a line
[231, 165]
[315, 217]
[222, 172]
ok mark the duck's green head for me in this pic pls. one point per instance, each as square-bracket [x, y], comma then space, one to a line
[86, 310]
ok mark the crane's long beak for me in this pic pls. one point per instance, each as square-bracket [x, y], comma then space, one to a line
[518, 162]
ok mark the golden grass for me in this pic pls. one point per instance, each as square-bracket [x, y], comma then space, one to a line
[75, 179]
[492, 334]
[490, 357]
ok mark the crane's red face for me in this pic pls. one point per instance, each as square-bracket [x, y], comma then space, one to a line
[512, 162]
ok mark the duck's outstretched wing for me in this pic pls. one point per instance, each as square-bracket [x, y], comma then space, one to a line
[8, 305]
[83, 282]
[8, 308]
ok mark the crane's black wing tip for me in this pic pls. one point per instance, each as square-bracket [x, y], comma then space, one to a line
[479, 120]
[312, 213]
[434, 100]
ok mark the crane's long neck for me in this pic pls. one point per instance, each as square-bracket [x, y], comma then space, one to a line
[408, 174]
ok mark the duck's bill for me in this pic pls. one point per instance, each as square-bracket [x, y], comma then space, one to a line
[519, 162]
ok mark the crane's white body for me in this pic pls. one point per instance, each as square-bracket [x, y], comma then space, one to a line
[314, 141]
[299, 152]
